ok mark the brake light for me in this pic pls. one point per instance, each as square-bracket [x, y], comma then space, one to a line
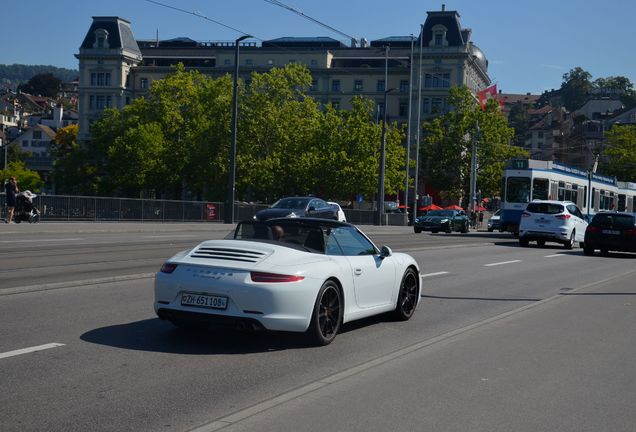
[564, 216]
[274, 277]
[526, 214]
[592, 229]
[630, 232]
[168, 267]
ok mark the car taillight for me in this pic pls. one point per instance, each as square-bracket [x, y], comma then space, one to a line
[526, 214]
[630, 232]
[564, 216]
[168, 267]
[274, 277]
[592, 229]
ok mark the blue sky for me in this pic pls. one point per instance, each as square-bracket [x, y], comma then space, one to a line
[529, 44]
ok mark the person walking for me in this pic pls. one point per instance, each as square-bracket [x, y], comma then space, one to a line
[11, 189]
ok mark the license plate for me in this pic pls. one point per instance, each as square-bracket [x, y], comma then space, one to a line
[205, 301]
[614, 232]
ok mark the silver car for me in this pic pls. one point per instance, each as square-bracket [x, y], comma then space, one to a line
[553, 221]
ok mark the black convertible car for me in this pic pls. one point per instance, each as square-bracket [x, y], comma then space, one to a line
[298, 207]
[442, 220]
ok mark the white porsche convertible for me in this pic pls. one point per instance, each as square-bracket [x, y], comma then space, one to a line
[299, 275]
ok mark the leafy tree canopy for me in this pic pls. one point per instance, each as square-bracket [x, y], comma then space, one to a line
[620, 152]
[42, 84]
[27, 179]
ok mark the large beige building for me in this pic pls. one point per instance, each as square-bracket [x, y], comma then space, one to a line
[115, 68]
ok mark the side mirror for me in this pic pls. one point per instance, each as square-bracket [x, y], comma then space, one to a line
[385, 251]
[310, 209]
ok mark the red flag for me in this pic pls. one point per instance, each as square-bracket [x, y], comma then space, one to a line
[485, 94]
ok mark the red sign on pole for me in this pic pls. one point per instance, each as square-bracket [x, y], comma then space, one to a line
[210, 211]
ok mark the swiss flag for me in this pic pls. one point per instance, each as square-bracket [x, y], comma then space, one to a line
[485, 94]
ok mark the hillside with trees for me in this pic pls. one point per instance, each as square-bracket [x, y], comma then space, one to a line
[11, 76]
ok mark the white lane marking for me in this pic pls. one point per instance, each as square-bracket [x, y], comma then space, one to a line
[501, 263]
[171, 236]
[40, 240]
[29, 350]
[552, 256]
[432, 274]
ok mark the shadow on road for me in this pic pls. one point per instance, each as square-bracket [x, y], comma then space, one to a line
[156, 335]
[160, 336]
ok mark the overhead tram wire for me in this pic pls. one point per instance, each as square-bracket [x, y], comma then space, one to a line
[314, 20]
[197, 14]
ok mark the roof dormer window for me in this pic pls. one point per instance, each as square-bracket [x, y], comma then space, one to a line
[439, 36]
[101, 38]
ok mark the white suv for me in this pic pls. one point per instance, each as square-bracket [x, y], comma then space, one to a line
[554, 221]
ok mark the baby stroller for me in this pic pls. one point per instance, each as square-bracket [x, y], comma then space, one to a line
[24, 209]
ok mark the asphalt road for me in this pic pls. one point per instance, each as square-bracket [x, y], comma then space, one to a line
[505, 338]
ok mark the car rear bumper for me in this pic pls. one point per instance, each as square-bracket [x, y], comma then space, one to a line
[619, 244]
[562, 236]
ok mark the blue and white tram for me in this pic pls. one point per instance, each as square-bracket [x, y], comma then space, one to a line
[527, 179]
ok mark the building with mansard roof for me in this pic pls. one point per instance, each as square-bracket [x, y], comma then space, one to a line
[115, 68]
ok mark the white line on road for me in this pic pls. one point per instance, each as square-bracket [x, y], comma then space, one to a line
[172, 236]
[40, 240]
[29, 350]
[432, 274]
[501, 263]
[552, 256]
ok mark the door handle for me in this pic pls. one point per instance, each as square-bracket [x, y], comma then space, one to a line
[357, 271]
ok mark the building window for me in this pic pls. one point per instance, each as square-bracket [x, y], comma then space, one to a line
[437, 104]
[439, 80]
[404, 109]
[438, 39]
[381, 86]
[380, 110]
[404, 86]
[100, 79]
[100, 102]
[143, 83]
[335, 85]
[314, 85]
[426, 105]
[249, 62]
[101, 38]
[438, 61]
[227, 62]
[270, 62]
[37, 134]
[357, 86]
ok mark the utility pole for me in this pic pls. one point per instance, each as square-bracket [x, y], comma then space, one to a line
[419, 127]
[473, 173]
[590, 174]
[380, 209]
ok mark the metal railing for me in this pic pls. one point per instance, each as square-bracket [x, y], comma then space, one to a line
[97, 209]
[85, 208]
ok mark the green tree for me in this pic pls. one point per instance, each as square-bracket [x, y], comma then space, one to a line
[73, 170]
[620, 153]
[447, 146]
[27, 179]
[44, 84]
[576, 88]
[518, 120]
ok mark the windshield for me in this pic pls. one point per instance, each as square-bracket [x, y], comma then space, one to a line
[444, 213]
[518, 190]
[547, 208]
[291, 203]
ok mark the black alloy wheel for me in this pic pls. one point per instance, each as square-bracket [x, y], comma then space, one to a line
[327, 315]
[408, 295]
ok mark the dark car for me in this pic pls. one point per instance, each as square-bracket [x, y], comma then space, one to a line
[298, 207]
[442, 220]
[611, 231]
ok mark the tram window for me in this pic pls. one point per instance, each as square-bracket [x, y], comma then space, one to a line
[561, 191]
[518, 190]
[622, 202]
[540, 188]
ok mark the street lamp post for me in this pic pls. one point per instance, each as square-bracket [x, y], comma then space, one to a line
[590, 175]
[380, 209]
[5, 150]
[229, 211]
